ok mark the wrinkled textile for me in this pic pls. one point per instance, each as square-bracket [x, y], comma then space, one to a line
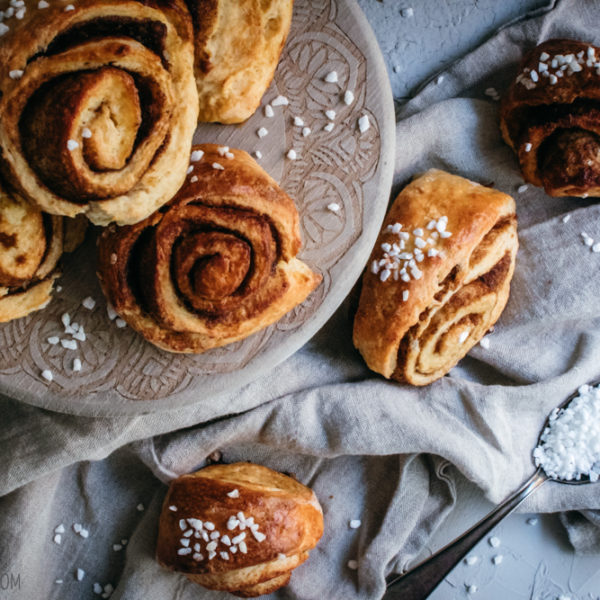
[371, 449]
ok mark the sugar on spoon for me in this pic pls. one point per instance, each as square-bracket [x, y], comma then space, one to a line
[568, 451]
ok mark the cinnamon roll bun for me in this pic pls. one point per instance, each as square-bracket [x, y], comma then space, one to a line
[240, 528]
[31, 244]
[550, 117]
[438, 279]
[98, 105]
[214, 265]
[238, 45]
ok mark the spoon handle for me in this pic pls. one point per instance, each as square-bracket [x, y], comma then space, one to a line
[419, 582]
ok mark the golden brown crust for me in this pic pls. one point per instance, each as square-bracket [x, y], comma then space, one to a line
[215, 265]
[550, 116]
[98, 106]
[416, 330]
[279, 519]
[31, 244]
[238, 44]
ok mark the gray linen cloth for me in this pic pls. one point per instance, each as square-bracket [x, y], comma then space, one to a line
[371, 449]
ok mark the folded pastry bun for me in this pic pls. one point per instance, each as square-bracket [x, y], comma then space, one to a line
[240, 528]
[98, 105]
[238, 44]
[214, 265]
[31, 244]
[550, 117]
[438, 277]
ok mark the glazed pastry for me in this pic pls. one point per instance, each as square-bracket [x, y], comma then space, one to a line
[98, 105]
[238, 45]
[213, 266]
[438, 279]
[31, 243]
[240, 528]
[550, 118]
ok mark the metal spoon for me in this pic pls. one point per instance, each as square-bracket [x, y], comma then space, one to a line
[419, 582]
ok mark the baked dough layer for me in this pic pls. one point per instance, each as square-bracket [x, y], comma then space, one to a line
[214, 265]
[98, 106]
[238, 45]
[414, 326]
[551, 118]
[286, 522]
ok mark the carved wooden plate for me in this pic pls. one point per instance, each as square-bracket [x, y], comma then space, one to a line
[121, 372]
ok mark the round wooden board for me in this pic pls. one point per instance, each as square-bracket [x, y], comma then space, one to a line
[121, 372]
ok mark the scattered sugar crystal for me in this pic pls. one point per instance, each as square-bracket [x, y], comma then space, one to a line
[353, 565]
[497, 559]
[494, 542]
[292, 154]
[569, 447]
[364, 124]
[334, 207]
[262, 132]
[522, 188]
[331, 77]
[269, 112]
[47, 375]
[471, 560]
[566, 218]
[485, 343]
[471, 589]
[355, 523]
[280, 101]
[298, 121]
[218, 166]
[329, 127]
[348, 97]
[330, 114]
[86, 133]
[196, 155]
[72, 145]
[88, 303]
[139, 507]
[407, 12]
[306, 131]
[57, 538]
[80, 574]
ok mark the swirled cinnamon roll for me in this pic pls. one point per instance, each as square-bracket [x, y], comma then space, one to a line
[98, 105]
[550, 117]
[214, 265]
[31, 243]
[238, 45]
[240, 528]
[438, 279]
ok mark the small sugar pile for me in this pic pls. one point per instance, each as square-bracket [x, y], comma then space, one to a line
[570, 445]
